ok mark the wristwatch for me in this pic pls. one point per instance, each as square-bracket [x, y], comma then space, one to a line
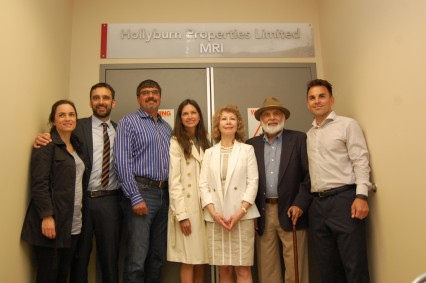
[361, 196]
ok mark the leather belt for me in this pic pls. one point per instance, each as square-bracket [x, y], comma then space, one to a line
[153, 183]
[272, 200]
[335, 191]
[102, 193]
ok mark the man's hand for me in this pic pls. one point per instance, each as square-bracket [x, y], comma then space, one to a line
[359, 208]
[42, 140]
[294, 213]
[140, 209]
[48, 227]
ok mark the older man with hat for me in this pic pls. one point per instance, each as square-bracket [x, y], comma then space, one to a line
[283, 196]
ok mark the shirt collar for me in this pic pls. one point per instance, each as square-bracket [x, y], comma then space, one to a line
[143, 114]
[331, 117]
[277, 137]
[55, 136]
[96, 122]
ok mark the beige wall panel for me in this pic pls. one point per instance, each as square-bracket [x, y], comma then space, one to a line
[35, 55]
[374, 53]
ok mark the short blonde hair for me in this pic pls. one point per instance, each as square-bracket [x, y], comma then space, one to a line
[240, 135]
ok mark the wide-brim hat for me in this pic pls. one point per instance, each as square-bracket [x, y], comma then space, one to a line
[271, 103]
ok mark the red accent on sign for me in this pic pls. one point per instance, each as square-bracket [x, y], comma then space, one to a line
[104, 38]
[257, 130]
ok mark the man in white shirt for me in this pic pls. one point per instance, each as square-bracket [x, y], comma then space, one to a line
[340, 173]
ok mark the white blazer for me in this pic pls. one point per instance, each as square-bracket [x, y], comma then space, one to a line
[240, 185]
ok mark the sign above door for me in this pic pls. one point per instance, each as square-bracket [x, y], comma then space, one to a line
[198, 40]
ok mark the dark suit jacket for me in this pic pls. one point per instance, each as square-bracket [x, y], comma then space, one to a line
[293, 180]
[83, 132]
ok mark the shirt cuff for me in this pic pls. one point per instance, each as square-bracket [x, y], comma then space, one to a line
[362, 189]
[136, 199]
[182, 216]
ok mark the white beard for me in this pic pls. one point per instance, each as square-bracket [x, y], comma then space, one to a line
[274, 129]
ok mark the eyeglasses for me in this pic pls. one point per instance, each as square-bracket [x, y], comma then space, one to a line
[147, 92]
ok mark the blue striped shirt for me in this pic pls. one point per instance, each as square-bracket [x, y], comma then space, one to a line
[141, 148]
[272, 157]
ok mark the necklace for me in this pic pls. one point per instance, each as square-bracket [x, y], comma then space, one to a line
[227, 148]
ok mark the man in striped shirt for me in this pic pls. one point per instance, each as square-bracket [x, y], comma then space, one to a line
[141, 152]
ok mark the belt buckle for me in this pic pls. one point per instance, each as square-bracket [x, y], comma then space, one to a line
[320, 194]
[93, 194]
[273, 200]
[160, 184]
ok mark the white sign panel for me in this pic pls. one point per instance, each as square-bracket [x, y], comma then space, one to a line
[254, 126]
[227, 40]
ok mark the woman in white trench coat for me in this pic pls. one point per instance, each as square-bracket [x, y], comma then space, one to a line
[186, 241]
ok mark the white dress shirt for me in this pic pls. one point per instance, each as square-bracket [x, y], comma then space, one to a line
[98, 148]
[338, 155]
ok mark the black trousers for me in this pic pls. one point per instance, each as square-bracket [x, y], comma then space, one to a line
[339, 239]
[102, 219]
[53, 265]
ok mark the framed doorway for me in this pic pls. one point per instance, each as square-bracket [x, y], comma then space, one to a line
[212, 86]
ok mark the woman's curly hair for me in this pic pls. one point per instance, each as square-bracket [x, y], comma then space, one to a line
[240, 135]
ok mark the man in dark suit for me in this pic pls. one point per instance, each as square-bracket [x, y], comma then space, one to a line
[283, 196]
[102, 216]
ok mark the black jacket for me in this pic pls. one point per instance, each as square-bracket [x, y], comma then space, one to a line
[293, 179]
[53, 175]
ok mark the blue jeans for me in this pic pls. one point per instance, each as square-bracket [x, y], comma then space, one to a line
[146, 236]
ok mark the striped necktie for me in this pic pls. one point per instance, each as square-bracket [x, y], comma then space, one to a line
[105, 157]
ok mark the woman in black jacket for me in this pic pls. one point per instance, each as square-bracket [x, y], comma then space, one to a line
[53, 221]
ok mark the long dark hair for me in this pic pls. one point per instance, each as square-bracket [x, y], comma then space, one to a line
[182, 136]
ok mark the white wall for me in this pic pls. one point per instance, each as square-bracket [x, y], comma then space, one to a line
[35, 55]
[374, 53]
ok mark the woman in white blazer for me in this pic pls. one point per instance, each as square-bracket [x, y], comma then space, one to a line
[186, 228]
[228, 184]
